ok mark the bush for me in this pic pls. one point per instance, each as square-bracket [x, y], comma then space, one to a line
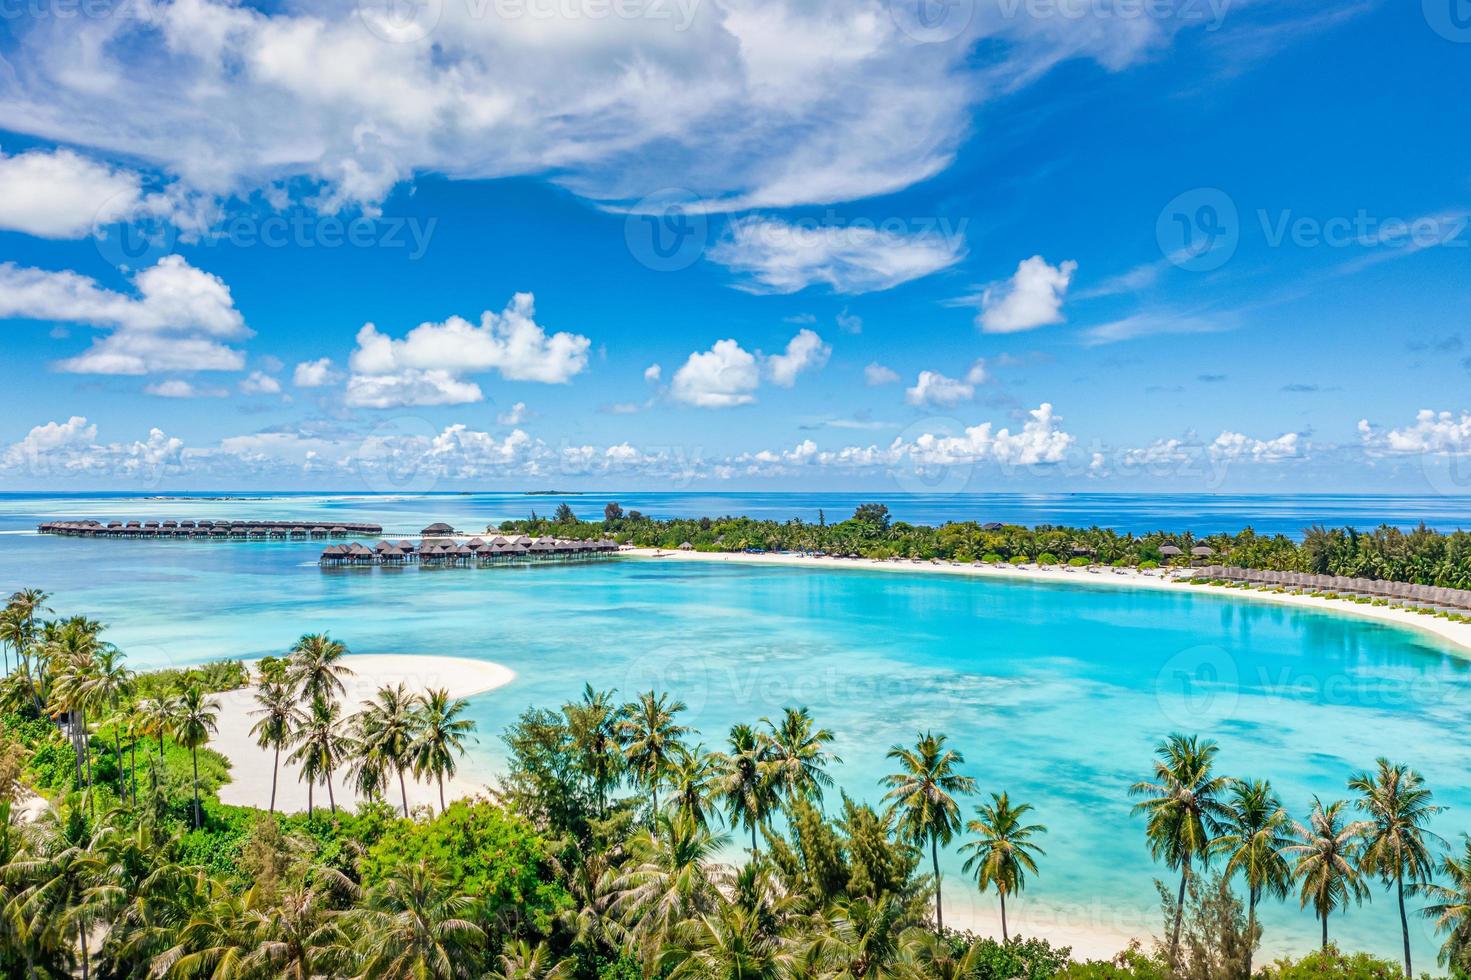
[991, 558]
[1078, 562]
[1047, 558]
[1330, 964]
[1148, 563]
[1018, 559]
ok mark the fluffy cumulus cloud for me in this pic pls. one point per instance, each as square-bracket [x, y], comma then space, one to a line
[753, 104]
[1031, 298]
[179, 388]
[428, 366]
[314, 374]
[724, 376]
[728, 375]
[1040, 440]
[1236, 447]
[177, 319]
[876, 374]
[805, 352]
[260, 383]
[775, 256]
[935, 389]
[61, 194]
[1434, 433]
[70, 449]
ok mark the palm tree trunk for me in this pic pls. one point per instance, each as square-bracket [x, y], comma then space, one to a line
[1179, 913]
[275, 772]
[82, 937]
[754, 851]
[198, 816]
[1006, 938]
[935, 860]
[331, 797]
[133, 751]
[1325, 930]
[403, 791]
[87, 748]
[441, 792]
[117, 748]
[1403, 922]
[1251, 897]
[311, 785]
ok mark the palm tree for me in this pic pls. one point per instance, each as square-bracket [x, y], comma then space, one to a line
[1328, 860]
[157, 715]
[62, 870]
[731, 942]
[746, 787]
[1399, 807]
[922, 795]
[386, 729]
[1184, 811]
[798, 755]
[1002, 853]
[295, 938]
[523, 961]
[593, 723]
[74, 651]
[192, 726]
[319, 747]
[441, 739]
[108, 682]
[278, 714]
[672, 877]
[1450, 907]
[409, 927]
[314, 669]
[692, 782]
[1255, 835]
[650, 735]
[27, 603]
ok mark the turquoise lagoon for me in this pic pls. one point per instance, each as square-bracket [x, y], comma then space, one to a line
[1056, 693]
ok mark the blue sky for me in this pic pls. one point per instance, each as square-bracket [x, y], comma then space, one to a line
[1013, 245]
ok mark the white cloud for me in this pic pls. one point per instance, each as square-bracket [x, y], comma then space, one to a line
[804, 352]
[1040, 440]
[724, 376]
[70, 448]
[876, 374]
[179, 388]
[1031, 298]
[176, 322]
[850, 322]
[314, 374]
[1433, 433]
[260, 383]
[780, 257]
[427, 366]
[514, 416]
[934, 388]
[1151, 324]
[61, 194]
[1234, 447]
[652, 373]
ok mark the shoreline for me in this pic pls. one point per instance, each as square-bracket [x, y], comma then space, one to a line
[1456, 635]
[251, 766]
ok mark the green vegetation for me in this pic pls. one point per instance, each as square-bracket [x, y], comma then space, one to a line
[1420, 555]
[603, 855]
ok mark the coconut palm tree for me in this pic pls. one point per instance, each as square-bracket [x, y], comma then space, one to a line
[27, 604]
[1184, 811]
[106, 685]
[523, 961]
[441, 737]
[1399, 806]
[57, 905]
[1450, 907]
[297, 938]
[746, 788]
[1255, 835]
[731, 942]
[692, 781]
[671, 877]
[195, 722]
[650, 737]
[386, 729]
[593, 723]
[314, 668]
[410, 927]
[1002, 852]
[157, 715]
[1328, 852]
[797, 755]
[278, 715]
[319, 747]
[922, 796]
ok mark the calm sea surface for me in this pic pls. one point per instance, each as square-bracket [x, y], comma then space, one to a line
[1056, 693]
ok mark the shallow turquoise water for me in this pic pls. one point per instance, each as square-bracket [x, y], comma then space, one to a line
[1056, 693]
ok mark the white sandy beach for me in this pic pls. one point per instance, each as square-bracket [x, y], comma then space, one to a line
[251, 766]
[1457, 634]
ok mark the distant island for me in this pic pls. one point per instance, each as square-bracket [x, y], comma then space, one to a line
[552, 493]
